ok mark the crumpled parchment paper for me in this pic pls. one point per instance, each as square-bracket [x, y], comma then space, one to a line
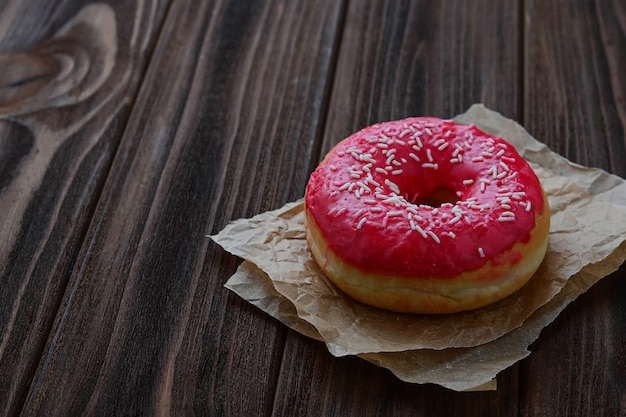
[462, 351]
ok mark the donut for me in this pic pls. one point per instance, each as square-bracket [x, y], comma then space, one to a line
[425, 215]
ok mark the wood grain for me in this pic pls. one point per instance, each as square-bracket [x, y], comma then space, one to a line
[400, 59]
[407, 58]
[69, 71]
[574, 85]
[224, 127]
[574, 102]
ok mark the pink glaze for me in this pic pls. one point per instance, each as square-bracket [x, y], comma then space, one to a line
[365, 198]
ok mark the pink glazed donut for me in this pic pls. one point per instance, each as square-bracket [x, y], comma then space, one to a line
[425, 215]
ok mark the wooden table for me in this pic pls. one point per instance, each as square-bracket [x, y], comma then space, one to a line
[131, 129]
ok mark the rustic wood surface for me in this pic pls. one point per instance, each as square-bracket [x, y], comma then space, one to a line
[129, 130]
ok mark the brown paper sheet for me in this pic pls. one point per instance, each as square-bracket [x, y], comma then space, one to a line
[462, 351]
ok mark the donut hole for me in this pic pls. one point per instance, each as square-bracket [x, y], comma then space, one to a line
[438, 197]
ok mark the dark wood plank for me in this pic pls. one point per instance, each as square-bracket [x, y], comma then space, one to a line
[400, 59]
[574, 84]
[69, 71]
[225, 127]
[574, 102]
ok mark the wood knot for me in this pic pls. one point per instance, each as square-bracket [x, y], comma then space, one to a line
[62, 70]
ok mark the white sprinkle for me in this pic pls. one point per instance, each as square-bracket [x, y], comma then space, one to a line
[493, 171]
[355, 175]
[507, 214]
[381, 196]
[345, 186]
[478, 159]
[358, 226]
[500, 153]
[400, 142]
[456, 152]
[508, 158]
[438, 142]
[404, 133]
[435, 211]
[429, 155]
[372, 181]
[370, 201]
[454, 160]
[419, 142]
[380, 170]
[501, 145]
[486, 154]
[332, 167]
[382, 145]
[454, 220]
[452, 235]
[396, 172]
[395, 213]
[480, 207]
[468, 182]
[448, 133]
[358, 212]
[363, 186]
[421, 231]
[528, 206]
[505, 206]
[396, 163]
[443, 146]
[434, 236]
[429, 165]
[415, 157]
[482, 186]
[341, 153]
[376, 209]
[393, 186]
[506, 219]
[481, 252]
[505, 166]
[460, 157]
[403, 160]
[428, 131]
[412, 209]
